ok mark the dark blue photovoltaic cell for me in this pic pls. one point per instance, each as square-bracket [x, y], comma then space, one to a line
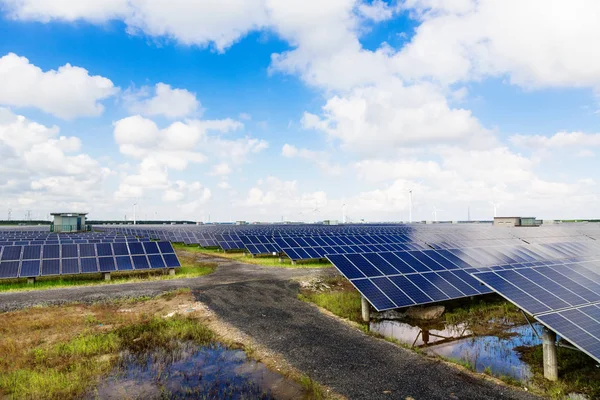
[140, 262]
[427, 287]
[87, 250]
[345, 266]
[515, 295]
[11, 253]
[51, 251]
[30, 268]
[104, 249]
[50, 267]
[591, 311]
[411, 290]
[363, 265]
[165, 247]
[171, 260]
[572, 298]
[399, 298]
[70, 266]
[151, 248]
[397, 263]
[106, 264]
[120, 249]
[124, 263]
[428, 261]
[587, 294]
[570, 330]
[136, 248]
[9, 269]
[32, 252]
[533, 290]
[89, 265]
[473, 282]
[381, 263]
[69, 251]
[411, 261]
[156, 261]
[458, 283]
[373, 294]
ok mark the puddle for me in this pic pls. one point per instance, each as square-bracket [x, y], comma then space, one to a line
[191, 371]
[457, 342]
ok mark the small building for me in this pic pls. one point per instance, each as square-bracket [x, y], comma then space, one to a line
[515, 221]
[68, 222]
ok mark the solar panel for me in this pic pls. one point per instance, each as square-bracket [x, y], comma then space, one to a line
[565, 297]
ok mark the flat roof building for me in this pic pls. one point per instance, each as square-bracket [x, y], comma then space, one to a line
[68, 222]
[516, 221]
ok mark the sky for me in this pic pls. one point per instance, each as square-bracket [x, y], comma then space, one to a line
[300, 110]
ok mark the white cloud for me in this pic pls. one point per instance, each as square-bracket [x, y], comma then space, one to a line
[221, 169]
[319, 158]
[220, 22]
[171, 103]
[469, 40]
[68, 92]
[377, 11]
[381, 120]
[558, 140]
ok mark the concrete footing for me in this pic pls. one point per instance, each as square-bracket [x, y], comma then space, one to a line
[366, 310]
[106, 276]
[280, 259]
[550, 361]
[172, 271]
[30, 281]
[293, 262]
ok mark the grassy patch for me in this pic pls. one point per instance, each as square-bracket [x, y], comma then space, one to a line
[485, 317]
[340, 298]
[265, 261]
[577, 372]
[63, 365]
[190, 268]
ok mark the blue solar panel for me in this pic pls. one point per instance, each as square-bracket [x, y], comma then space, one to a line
[411, 290]
[156, 261]
[124, 263]
[30, 268]
[70, 266]
[9, 269]
[106, 264]
[50, 267]
[171, 260]
[89, 265]
[140, 262]
[104, 249]
[11, 253]
[398, 297]
[375, 296]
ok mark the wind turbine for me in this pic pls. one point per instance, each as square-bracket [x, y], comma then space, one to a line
[134, 211]
[434, 213]
[410, 201]
[495, 205]
[316, 210]
[343, 213]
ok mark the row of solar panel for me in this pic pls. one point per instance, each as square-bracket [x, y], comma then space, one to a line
[85, 265]
[72, 241]
[550, 288]
[51, 251]
[580, 326]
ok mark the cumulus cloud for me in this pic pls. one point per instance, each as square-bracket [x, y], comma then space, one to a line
[67, 92]
[168, 102]
[558, 140]
[218, 22]
[318, 158]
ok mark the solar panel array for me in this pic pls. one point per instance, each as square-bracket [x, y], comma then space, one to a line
[72, 254]
[564, 296]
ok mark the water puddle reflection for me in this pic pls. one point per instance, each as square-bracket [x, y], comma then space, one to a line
[191, 371]
[495, 353]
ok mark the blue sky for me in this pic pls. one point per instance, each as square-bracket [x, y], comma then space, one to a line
[258, 110]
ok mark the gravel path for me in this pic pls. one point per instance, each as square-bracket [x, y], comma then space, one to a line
[262, 302]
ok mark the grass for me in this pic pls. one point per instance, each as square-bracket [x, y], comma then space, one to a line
[489, 316]
[577, 372]
[336, 295]
[265, 261]
[60, 352]
[189, 269]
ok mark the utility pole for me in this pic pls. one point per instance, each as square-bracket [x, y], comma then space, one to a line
[468, 213]
[28, 215]
[9, 214]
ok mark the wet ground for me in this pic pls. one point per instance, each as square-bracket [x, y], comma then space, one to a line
[492, 353]
[263, 303]
[189, 372]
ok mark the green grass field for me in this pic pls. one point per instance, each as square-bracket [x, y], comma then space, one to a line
[266, 261]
